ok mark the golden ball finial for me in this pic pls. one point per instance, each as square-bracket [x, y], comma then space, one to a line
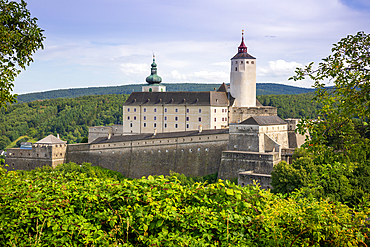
[243, 32]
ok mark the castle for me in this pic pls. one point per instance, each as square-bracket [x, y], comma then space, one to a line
[195, 133]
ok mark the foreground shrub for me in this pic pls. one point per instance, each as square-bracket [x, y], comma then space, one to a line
[53, 208]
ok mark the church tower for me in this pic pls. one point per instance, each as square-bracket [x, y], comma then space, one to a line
[243, 77]
[154, 80]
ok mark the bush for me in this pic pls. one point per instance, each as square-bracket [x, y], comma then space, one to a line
[66, 207]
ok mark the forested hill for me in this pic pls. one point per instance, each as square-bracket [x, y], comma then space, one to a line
[262, 89]
[71, 118]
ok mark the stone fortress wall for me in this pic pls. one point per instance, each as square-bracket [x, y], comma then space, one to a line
[40, 155]
[192, 153]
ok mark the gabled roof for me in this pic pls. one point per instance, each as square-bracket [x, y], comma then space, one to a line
[222, 88]
[210, 98]
[50, 139]
[263, 120]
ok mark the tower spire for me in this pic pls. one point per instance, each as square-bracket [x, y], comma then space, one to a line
[242, 48]
[153, 78]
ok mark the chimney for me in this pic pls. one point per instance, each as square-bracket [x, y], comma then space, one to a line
[155, 132]
[58, 136]
[200, 129]
[109, 135]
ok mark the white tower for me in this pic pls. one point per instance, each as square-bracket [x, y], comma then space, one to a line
[243, 77]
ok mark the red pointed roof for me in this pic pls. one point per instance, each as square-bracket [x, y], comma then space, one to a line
[242, 48]
[242, 51]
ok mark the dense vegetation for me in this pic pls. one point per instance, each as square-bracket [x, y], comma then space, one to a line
[70, 118]
[292, 105]
[71, 207]
[262, 89]
[335, 163]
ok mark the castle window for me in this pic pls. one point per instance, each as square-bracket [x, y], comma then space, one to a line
[165, 118]
[187, 118]
[241, 62]
[215, 127]
[187, 110]
[144, 109]
[215, 120]
[200, 110]
[150, 89]
[134, 117]
[236, 62]
[128, 117]
[144, 124]
[45, 155]
[187, 126]
[176, 126]
[215, 110]
[176, 110]
[198, 149]
[165, 109]
[176, 118]
[252, 62]
[131, 125]
[144, 117]
[200, 119]
[236, 69]
[165, 125]
[155, 109]
[155, 118]
[134, 109]
[247, 62]
[155, 125]
[128, 109]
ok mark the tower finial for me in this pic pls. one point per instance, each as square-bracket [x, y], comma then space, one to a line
[153, 78]
[242, 48]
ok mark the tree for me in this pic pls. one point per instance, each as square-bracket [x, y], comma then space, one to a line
[348, 68]
[20, 37]
[339, 144]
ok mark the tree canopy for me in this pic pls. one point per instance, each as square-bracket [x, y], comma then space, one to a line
[339, 145]
[20, 37]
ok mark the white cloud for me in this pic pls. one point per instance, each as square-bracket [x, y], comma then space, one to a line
[279, 68]
[198, 76]
[135, 68]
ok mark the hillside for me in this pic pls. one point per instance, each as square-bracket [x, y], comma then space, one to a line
[71, 118]
[262, 89]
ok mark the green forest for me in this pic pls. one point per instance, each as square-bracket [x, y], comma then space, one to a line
[72, 117]
[262, 89]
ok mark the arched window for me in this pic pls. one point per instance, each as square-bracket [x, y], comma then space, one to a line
[150, 89]
[236, 69]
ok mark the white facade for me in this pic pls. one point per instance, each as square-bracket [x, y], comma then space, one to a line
[153, 88]
[169, 118]
[243, 82]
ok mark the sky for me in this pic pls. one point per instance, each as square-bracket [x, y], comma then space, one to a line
[92, 43]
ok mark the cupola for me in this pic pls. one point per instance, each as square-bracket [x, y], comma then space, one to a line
[153, 78]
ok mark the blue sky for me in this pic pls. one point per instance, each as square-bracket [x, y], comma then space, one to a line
[110, 42]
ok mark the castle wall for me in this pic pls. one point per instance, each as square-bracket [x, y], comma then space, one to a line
[239, 114]
[40, 155]
[190, 155]
[232, 162]
[247, 177]
[103, 131]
